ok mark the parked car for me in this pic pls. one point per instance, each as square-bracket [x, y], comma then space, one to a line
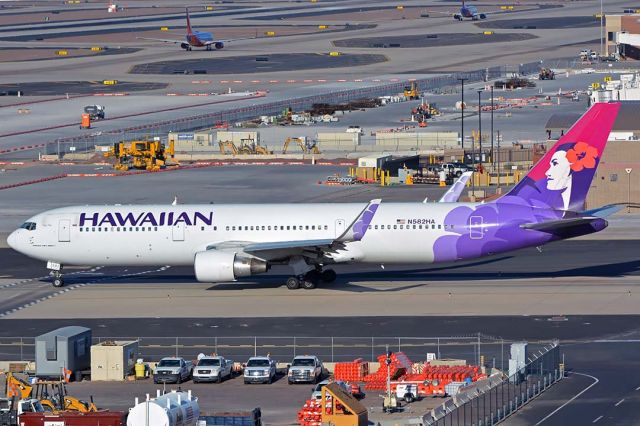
[317, 389]
[305, 369]
[172, 370]
[455, 169]
[260, 369]
[212, 369]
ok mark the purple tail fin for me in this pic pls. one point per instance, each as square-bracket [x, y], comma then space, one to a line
[561, 179]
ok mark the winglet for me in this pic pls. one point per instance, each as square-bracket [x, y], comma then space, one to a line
[359, 227]
[454, 192]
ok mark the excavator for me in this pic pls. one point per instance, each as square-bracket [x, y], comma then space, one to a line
[305, 146]
[247, 146]
[51, 393]
[142, 155]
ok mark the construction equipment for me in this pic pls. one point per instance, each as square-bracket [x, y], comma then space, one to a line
[306, 146]
[228, 145]
[249, 146]
[52, 394]
[142, 155]
[424, 112]
[546, 74]
[96, 112]
[411, 91]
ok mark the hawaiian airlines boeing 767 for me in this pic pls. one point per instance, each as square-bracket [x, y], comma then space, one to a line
[226, 242]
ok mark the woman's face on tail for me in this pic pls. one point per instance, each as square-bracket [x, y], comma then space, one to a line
[559, 173]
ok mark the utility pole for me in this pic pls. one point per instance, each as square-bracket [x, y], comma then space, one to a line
[462, 80]
[498, 155]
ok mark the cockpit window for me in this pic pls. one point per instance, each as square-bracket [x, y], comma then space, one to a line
[29, 226]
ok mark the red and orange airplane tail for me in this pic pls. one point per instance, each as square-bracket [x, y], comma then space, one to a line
[189, 32]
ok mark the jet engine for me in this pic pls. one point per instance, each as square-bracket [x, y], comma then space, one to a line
[218, 266]
[185, 46]
[218, 45]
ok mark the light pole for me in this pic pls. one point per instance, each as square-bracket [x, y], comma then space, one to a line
[628, 170]
[601, 30]
[480, 127]
[462, 79]
[492, 161]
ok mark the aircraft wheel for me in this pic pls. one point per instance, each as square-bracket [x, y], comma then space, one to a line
[293, 283]
[58, 282]
[329, 275]
[308, 284]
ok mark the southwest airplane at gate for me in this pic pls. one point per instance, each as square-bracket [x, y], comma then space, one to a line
[225, 242]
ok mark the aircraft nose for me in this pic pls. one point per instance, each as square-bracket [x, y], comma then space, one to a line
[12, 240]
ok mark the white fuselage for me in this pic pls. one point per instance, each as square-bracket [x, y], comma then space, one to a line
[172, 235]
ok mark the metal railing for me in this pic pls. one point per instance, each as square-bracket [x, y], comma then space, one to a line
[495, 399]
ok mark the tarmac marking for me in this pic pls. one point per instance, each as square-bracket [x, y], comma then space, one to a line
[576, 396]
[597, 419]
[619, 402]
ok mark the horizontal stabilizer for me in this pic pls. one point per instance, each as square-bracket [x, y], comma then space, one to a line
[557, 225]
[604, 211]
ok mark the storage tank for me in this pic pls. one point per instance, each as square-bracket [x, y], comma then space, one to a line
[171, 409]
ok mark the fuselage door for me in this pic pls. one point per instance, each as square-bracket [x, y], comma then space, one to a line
[64, 230]
[339, 227]
[178, 231]
[475, 228]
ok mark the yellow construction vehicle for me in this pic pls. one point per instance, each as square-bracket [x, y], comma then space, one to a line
[411, 92]
[305, 146]
[142, 155]
[51, 393]
[228, 145]
[249, 146]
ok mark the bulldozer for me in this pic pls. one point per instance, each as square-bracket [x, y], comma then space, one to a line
[142, 155]
[52, 394]
[305, 146]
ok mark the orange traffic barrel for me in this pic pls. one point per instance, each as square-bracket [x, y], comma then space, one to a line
[86, 121]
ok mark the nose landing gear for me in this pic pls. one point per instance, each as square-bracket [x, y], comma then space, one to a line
[55, 271]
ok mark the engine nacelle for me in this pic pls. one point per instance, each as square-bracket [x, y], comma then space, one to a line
[185, 46]
[483, 16]
[218, 45]
[214, 266]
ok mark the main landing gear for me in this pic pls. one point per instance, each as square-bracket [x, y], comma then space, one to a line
[311, 279]
[55, 271]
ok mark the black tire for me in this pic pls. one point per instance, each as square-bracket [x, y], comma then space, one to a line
[179, 380]
[219, 379]
[329, 275]
[293, 283]
[155, 381]
[408, 398]
[308, 285]
[58, 282]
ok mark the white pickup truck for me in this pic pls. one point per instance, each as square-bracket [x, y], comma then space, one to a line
[305, 368]
[212, 369]
[172, 370]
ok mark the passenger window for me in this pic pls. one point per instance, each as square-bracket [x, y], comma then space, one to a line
[313, 227]
[433, 227]
[306, 227]
[80, 229]
[246, 228]
[251, 228]
[215, 228]
[233, 228]
[263, 227]
[401, 226]
[142, 229]
[376, 227]
[419, 226]
[202, 228]
[288, 228]
[294, 227]
[395, 226]
[131, 229]
[326, 227]
[414, 226]
[439, 226]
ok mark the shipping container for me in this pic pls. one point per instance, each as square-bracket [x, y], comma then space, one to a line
[376, 161]
[72, 418]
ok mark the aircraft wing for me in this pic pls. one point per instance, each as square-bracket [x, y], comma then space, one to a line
[454, 192]
[355, 232]
[560, 224]
[164, 40]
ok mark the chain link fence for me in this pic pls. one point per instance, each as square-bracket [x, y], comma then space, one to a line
[329, 349]
[500, 396]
